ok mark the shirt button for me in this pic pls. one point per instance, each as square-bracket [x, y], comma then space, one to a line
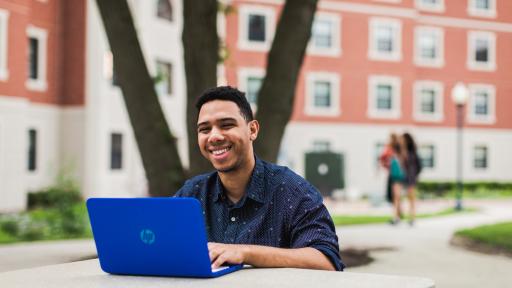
[233, 219]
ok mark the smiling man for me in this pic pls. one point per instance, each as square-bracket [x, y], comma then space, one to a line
[256, 212]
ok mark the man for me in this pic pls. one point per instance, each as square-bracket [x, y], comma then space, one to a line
[256, 212]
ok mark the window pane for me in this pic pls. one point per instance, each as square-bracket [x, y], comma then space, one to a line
[32, 150]
[482, 4]
[164, 10]
[384, 39]
[322, 97]
[428, 101]
[482, 50]
[384, 94]
[480, 157]
[33, 58]
[426, 153]
[253, 88]
[164, 77]
[257, 28]
[322, 33]
[116, 151]
[481, 103]
[428, 46]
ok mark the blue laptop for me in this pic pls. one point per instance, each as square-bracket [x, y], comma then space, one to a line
[152, 236]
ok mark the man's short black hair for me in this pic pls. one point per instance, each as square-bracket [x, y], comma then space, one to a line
[227, 93]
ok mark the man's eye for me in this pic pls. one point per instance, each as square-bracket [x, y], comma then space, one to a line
[203, 130]
[228, 125]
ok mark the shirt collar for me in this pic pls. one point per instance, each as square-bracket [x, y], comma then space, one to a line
[255, 188]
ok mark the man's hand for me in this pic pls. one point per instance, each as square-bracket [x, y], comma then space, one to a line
[226, 253]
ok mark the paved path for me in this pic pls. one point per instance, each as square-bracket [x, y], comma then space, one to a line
[421, 251]
[424, 250]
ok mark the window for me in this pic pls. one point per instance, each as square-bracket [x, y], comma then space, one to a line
[379, 148]
[482, 8]
[116, 151]
[429, 47]
[253, 88]
[4, 21]
[385, 39]
[427, 156]
[481, 104]
[428, 101]
[250, 81]
[481, 51]
[430, 5]
[322, 94]
[37, 41]
[256, 27]
[32, 150]
[384, 97]
[164, 10]
[325, 35]
[163, 79]
[480, 157]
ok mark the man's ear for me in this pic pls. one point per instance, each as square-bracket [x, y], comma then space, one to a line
[254, 128]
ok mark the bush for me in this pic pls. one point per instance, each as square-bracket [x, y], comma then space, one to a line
[10, 226]
[63, 194]
[442, 188]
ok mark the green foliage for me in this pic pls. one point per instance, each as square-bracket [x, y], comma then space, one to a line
[497, 235]
[57, 212]
[480, 189]
[63, 194]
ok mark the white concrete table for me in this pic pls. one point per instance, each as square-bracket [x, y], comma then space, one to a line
[89, 274]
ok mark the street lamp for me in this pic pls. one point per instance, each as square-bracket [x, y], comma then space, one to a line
[460, 95]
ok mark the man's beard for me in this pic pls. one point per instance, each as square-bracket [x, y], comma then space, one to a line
[232, 168]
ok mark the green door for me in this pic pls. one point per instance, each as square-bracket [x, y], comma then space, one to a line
[325, 170]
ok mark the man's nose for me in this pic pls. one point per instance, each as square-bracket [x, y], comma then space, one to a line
[216, 135]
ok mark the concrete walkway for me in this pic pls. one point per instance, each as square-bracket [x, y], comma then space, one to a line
[421, 251]
[424, 250]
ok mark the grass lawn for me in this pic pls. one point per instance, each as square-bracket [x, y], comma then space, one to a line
[496, 235]
[345, 220]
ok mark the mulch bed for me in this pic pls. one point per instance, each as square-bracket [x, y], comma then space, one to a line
[480, 247]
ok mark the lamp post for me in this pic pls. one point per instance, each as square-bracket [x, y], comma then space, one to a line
[460, 96]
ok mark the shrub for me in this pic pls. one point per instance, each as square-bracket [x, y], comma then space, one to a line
[63, 194]
[10, 226]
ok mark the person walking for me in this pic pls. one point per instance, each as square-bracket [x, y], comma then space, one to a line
[395, 174]
[412, 167]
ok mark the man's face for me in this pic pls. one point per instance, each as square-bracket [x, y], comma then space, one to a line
[224, 136]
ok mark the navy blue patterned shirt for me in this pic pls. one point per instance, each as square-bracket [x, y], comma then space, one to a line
[279, 209]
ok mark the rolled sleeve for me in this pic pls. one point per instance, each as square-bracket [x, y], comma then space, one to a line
[312, 226]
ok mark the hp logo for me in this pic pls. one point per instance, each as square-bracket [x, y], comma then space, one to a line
[147, 236]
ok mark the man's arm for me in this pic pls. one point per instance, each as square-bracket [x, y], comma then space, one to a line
[265, 256]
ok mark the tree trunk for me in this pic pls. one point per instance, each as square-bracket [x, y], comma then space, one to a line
[276, 97]
[201, 51]
[156, 143]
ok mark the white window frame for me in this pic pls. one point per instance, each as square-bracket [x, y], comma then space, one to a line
[334, 79]
[438, 88]
[395, 83]
[39, 84]
[438, 8]
[474, 11]
[373, 53]
[472, 64]
[244, 74]
[335, 50]
[243, 27]
[438, 32]
[4, 22]
[490, 118]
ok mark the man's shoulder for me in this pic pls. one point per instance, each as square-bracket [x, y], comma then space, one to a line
[193, 185]
[293, 183]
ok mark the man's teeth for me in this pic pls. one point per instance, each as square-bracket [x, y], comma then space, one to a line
[218, 152]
